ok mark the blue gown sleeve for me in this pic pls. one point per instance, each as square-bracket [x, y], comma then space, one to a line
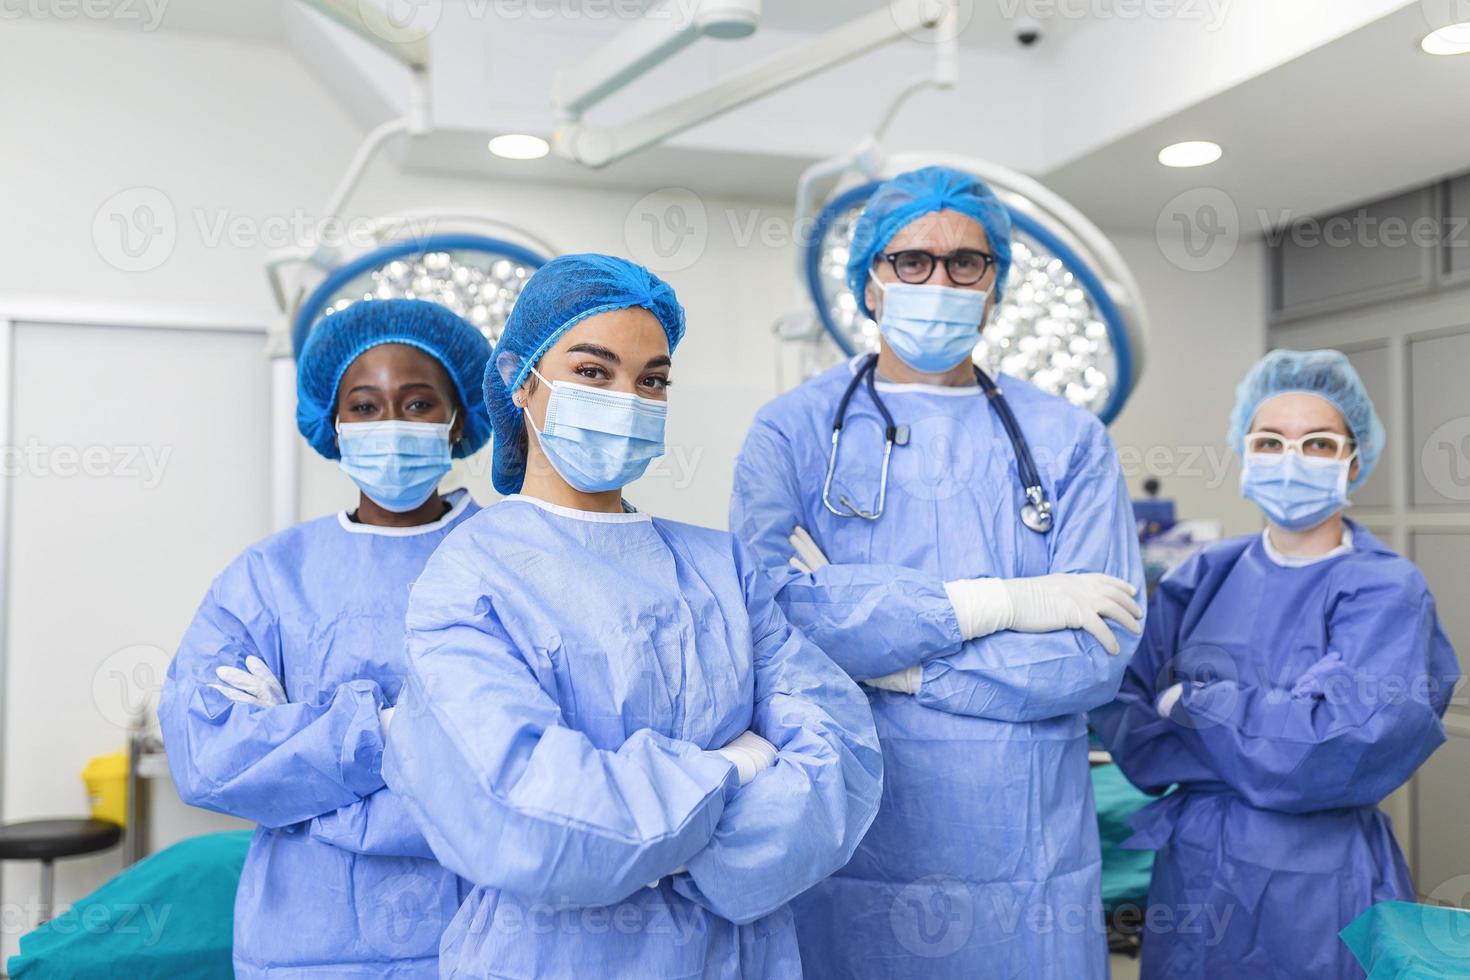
[871, 619]
[1017, 677]
[378, 824]
[507, 795]
[1366, 718]
[276, 766]
[1147, 748]
[801, 819]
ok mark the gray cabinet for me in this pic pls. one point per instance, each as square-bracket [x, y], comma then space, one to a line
[1441, 800]
[1439, 454]
[1443, 557]
[1457, 229]
[1362, 254]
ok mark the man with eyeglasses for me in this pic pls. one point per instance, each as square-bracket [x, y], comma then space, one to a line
[887, 498]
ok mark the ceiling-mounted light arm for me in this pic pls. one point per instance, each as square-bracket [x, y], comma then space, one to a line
[415, 123]
[664, 30]
[600, 146]
[867, 156]
[373, 25]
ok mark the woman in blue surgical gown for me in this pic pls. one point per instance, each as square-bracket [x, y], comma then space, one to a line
[278, 703]
[1287, 682]
[608, 725]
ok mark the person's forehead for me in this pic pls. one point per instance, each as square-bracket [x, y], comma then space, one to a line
[633, 328]
[399, 360]
[940, 231]
[1294, 412]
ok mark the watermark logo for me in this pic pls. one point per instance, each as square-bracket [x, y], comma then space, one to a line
[1199, 230]
[135, 230]
[667, 230]
[907, 12]
[126, 684]
[401, 21]
[933, 917]
[1453, 15]
[404, 914]
[146, 464]
[147, 13]
[1445, 459]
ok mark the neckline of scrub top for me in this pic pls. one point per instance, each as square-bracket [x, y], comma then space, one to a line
[1301, 561]
[591, 516]
[458, 501]
[897, 387]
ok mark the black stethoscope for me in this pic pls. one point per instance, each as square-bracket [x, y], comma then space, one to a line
[1035, 513]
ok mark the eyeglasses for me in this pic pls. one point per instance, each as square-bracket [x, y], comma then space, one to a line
[1314, 445]
[966, 266]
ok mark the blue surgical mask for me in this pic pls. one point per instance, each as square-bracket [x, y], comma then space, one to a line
[1295, 492]
[599, 440]
[397, 464]
[931, 328]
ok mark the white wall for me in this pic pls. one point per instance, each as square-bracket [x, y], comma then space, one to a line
[237, 136]
[1206, 330]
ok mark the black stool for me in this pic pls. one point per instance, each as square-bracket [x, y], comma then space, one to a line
[47, 840]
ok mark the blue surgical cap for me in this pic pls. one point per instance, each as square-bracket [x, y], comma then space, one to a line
[913, 194]
[337, 340]
[1327, 373]
[560, 295]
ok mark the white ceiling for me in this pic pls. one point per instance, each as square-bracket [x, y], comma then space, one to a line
[1348, 122]
[1318, 103]
[985, 22]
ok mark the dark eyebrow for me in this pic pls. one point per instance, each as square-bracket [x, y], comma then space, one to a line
[596, 350]
[363, 388]
[657, 362]
[415, 384]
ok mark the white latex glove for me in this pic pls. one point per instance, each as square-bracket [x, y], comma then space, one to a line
[807, 556]
[1168, 699]
[385, 718]
[903, 681]
[1074, 601]
[1044, 604]
[750, 753]
[254, 685]
[981, 605]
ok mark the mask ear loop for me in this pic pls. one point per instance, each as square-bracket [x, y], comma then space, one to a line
[1347, 469]
[525, 409]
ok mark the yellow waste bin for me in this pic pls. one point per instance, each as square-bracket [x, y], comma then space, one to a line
[106, 779]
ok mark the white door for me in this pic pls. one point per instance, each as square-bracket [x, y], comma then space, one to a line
[137, 467]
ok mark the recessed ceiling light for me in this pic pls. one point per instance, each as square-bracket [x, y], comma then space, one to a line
[519, 146]
[1191, 153]
[1454, 39]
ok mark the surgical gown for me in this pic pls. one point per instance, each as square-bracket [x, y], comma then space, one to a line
[338, 880]
[984, 859]
[1309, 694]
[569, 675]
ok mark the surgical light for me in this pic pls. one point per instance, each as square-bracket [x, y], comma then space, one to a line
[1454, 39]
[1190, 153]
[519, 146]
[475, 276]
[1057, 325]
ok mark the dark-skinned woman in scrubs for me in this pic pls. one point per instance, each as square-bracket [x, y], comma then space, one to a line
[280, 699]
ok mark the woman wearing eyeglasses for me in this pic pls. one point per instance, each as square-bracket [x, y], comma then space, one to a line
[1287, 682]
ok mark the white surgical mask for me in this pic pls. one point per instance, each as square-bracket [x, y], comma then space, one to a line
[931, 328]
